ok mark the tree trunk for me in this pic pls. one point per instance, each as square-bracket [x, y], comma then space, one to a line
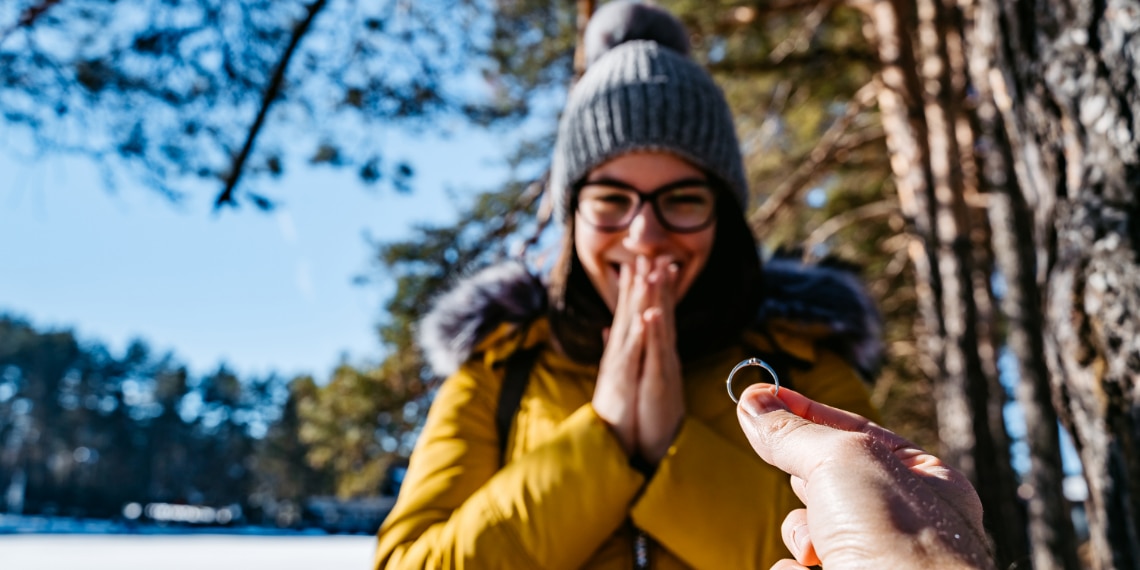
[1051, 531]
[1052, 540]
[929, 134]
[584, 10]
[1071, 93]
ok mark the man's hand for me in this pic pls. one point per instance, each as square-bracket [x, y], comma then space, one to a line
[874, 499]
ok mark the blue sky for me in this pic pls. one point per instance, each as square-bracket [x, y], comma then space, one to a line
[261, 292]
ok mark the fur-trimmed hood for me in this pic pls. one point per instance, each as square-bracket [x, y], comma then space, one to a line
[828, 295]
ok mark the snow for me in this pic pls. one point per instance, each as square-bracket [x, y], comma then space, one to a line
[183, 552]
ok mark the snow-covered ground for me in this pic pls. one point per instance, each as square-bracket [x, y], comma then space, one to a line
[183, 552]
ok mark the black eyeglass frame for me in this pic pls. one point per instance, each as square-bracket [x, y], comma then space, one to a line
[651, 197]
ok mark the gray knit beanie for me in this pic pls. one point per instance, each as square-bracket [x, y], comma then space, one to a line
[642, 92]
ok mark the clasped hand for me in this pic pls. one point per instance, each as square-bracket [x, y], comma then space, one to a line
[639, 391]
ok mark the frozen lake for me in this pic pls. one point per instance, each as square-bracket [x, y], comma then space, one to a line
[183, 552]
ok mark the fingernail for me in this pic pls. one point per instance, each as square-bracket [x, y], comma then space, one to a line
[799, 540]
[759, 402]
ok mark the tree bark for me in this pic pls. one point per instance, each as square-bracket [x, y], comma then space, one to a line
[585, 10]
[906, 142]
[1072, 93]
[1053, 543]
[929, 135]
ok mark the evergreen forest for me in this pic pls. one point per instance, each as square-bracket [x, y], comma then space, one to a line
[976, 159]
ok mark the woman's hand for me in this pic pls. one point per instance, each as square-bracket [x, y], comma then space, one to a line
[615, 394]
[639, 391]
[660, 394]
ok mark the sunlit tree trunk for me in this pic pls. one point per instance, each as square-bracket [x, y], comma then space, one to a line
[1056, 91]
[923, 101]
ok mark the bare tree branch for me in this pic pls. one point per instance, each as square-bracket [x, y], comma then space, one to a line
[816, 57]
[853, 216]
[736, 17]
[809, 169]
[800, 38]
[28, 18]
[272, 91]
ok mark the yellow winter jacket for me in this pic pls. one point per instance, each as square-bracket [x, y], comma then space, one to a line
[568, 497]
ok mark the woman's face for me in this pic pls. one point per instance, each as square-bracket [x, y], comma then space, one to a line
[603, 253]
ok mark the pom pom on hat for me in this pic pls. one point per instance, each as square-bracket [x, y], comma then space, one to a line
[620, 22]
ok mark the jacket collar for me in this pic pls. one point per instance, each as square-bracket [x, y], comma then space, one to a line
[804, 306]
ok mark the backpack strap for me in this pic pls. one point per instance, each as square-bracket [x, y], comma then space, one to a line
[515, 379]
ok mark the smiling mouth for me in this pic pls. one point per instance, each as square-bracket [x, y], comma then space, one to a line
[616, 267]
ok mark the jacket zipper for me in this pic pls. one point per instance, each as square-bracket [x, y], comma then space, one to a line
[640, 549]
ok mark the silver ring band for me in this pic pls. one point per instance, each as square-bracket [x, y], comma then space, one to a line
[744, 364]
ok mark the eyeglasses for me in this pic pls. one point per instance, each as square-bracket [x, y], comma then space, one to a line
[683, 206]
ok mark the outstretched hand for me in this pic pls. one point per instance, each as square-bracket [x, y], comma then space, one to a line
[639, 391]
[874, 499]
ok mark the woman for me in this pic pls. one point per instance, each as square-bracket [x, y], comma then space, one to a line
[622, 449]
